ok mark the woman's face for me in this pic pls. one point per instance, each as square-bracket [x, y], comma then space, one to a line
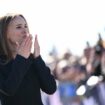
[17, 30]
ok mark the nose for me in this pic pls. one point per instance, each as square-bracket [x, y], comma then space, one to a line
[25, 31]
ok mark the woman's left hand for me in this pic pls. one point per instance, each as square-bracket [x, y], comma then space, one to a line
[36, 47]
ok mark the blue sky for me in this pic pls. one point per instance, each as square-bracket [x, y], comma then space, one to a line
[63, 23]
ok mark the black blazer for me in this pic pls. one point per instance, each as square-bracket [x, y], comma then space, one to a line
[21, 80]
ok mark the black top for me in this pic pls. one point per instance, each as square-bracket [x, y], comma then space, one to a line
[21, 80]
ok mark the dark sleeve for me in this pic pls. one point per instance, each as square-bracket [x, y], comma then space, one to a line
[17, 69]
[46, 80]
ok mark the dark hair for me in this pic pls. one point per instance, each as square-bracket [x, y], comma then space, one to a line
[4, 22]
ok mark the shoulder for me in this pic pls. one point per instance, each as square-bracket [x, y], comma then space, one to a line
[3, 59]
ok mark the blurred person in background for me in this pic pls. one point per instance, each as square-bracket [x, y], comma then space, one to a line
[68, 75]
[95, 57]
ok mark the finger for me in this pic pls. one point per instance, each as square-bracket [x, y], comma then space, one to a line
[29, 40]
[30, 45]
[36, 44]
[25, 41]
[35, 36]
[35, 40]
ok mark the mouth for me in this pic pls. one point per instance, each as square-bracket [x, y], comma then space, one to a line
[22, 38]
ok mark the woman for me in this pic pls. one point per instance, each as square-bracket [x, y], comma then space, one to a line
[22, 73]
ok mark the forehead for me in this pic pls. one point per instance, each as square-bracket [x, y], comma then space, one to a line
[17, 20]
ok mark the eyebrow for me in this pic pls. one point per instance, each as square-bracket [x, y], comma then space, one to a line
[19, 24]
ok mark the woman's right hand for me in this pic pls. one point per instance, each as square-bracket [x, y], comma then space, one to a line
[25, 48]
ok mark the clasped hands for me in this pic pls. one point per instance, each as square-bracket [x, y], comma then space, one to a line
[24, 49]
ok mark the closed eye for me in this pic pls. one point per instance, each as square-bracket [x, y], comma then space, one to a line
[18, 27]
[26, 26]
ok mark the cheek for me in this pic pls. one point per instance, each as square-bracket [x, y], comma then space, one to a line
[13, 36]
[17, 37]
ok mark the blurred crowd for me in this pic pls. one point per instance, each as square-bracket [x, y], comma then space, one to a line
[80, 79]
